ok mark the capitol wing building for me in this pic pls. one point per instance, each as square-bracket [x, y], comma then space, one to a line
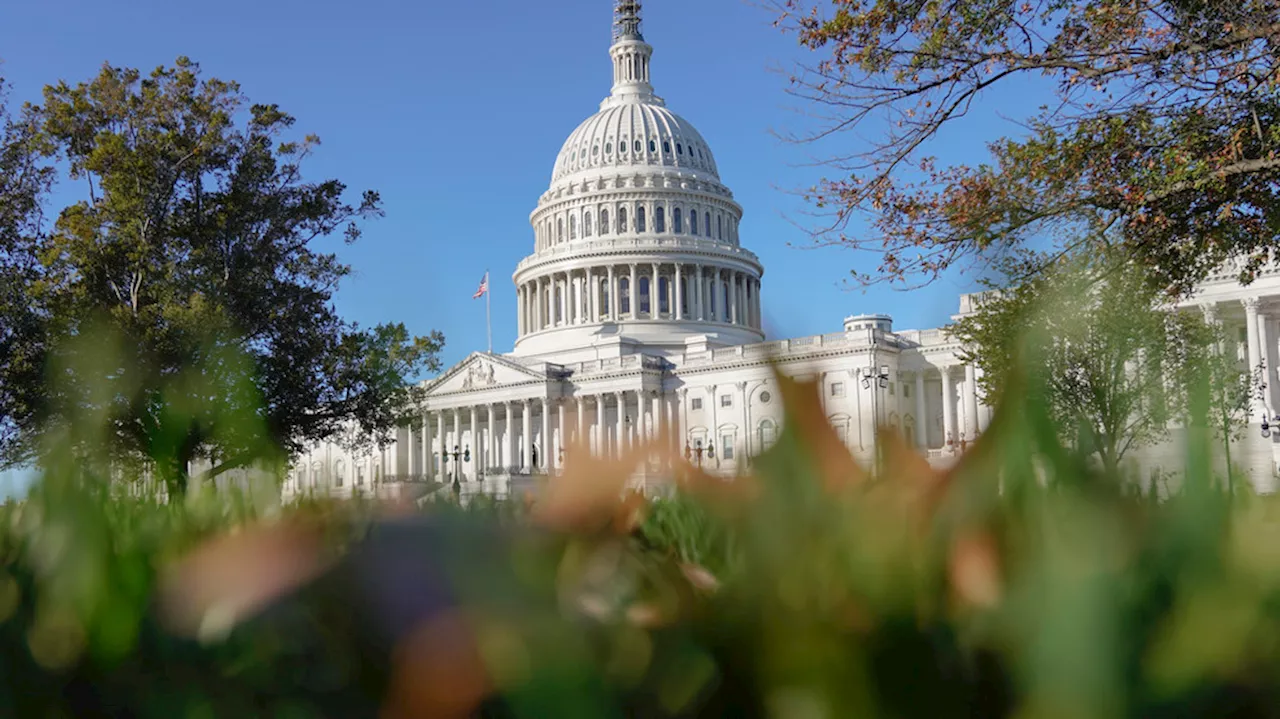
[639, 313]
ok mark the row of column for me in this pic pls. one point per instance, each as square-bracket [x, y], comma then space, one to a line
[636, 218]
[676, 292]
[1258, 352]
[505, 436]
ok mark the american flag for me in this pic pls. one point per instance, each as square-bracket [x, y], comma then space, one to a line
[484, 288]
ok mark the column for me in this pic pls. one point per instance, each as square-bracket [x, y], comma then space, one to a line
[490, 439]
[620, 429]
[1268, 376]
[440, 442]
[655, 297]
[717, 296]
[655, 412]
[526, 440]
[714, 429]
[565, 304]
[734, 316]
[509, 461]
[426, 445]
[634, 291]
[922, 424]
[970, 401]
[682, 416]
[546, 454]
[697, 294]
[679, 308]
[476, 449]
[520, 311]
[745, 442]
[593, 298]
[1258, 406]
[948, 410]
[580, 437]
[613, 296]
[457, 442]
[560, 429]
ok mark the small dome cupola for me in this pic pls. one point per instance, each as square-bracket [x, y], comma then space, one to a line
[631, 56]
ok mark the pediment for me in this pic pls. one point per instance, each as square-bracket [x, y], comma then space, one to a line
[481, 372]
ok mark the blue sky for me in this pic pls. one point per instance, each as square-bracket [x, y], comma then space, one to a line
[455, 113]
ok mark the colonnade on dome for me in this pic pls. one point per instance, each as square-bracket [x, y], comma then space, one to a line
[595, 216]
[632, 291]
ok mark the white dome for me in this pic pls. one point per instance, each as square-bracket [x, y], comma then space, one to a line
[633, 135]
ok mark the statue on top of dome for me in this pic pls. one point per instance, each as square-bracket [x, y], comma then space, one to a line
[627, 20]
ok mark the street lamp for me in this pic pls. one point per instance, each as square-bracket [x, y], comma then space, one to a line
[698, 450]
[465, 456]
[1267, 424]
[869, 374]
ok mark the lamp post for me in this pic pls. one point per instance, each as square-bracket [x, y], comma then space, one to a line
[459, 456]
[697, 450]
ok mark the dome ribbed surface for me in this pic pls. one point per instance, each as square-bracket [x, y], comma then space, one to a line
[634, 135]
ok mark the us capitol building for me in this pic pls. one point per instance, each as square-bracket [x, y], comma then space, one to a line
[639, 311]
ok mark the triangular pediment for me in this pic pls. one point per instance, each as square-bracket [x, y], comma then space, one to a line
[482, 371]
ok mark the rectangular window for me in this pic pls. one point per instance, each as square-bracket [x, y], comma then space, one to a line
[360, 476]
[696, 404]
[837, 389]
[726, 446]
[892, 387]
[726, 400]
[906, 391]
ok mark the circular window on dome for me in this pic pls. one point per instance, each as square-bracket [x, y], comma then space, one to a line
[666, 147]
[652, 146]
[608, 148]
[679, 149]
[638, 147]
[765, 397]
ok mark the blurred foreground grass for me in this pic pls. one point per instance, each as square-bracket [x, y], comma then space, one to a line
[1021, 583]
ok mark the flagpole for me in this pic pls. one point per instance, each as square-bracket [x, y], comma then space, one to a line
[488, 314]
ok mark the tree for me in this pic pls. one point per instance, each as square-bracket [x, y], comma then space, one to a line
[24, 180]
[1115, 361]
[183, 302]
[1161, 136]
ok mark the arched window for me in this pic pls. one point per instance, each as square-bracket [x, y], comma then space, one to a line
[586, 224]
[595, 150]
[666, 147]
[339, 473]
[638, 147]
[608, 148]
[679, 149]
[622, 219]
[660, 220]
[624, 295]
[604, 222]
[664, 289]
[646, 288]
[693, 222]
[707, 218]
[768, 433]
[653, 147]
[573, 227]
[677, 221]
[640, 219]
[604, 293]
[719, 227]
[560, 229]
